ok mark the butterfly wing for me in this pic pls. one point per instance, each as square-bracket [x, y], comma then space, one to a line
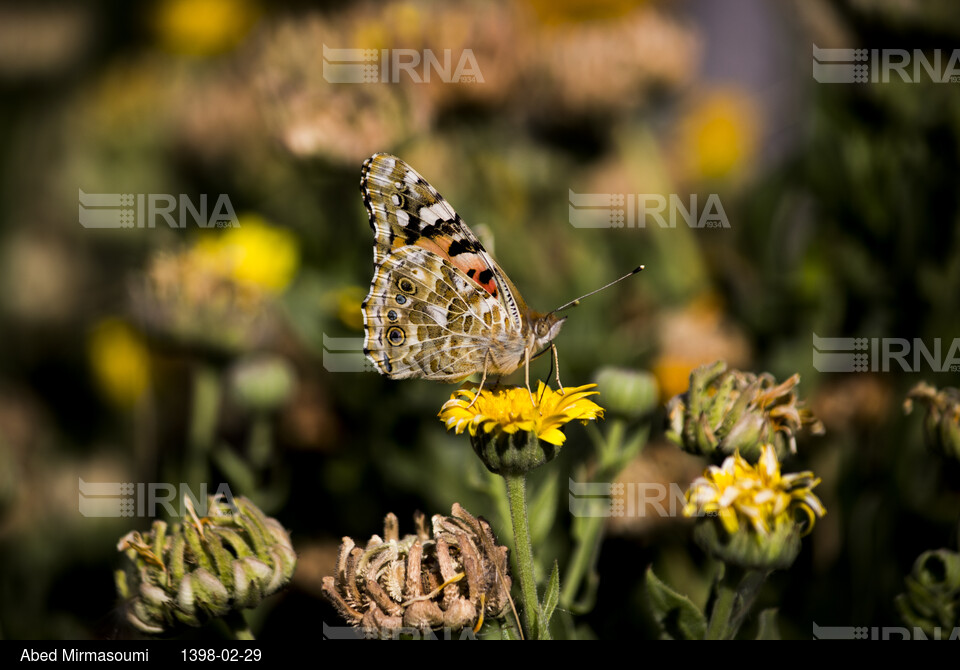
[404, 210]
[439, 307]
[425, 318]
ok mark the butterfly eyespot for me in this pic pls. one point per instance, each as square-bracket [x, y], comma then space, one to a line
[392, 315]
[396, 336]
[401, 299]
[406, 286]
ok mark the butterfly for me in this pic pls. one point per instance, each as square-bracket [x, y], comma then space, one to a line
[439, 306]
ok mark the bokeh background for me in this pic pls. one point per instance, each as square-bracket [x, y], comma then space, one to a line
[198, 355]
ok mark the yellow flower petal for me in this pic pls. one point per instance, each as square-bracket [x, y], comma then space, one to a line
[754, 497]
[509, 410]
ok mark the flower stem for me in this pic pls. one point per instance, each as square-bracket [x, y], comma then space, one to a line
[517, 495]
[747, 592]
[584, 558]
[203, 422]
[238, 625]
[724, 598]
[734, 593]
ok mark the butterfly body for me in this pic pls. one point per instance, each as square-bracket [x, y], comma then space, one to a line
[439, 306]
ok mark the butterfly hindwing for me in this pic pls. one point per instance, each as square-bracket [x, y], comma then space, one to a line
[425, 318]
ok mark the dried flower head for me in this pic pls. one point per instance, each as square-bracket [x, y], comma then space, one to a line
[728, 411]
[191, 572]
[453, 575]
[941, 425]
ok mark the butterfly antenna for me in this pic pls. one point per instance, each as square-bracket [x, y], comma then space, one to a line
[574, 303]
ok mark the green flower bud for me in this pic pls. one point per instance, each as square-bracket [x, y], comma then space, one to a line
[932, 599]
[203, 568]
[263, 383]
[745, 437]
[774, 551]
[248, 574]
[727, 411]
[512, 453]
[630, 393]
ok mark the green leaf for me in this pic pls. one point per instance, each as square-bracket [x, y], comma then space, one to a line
[677, 615]
[767, 628]
[498, 630]
[550, 600]
[633, 447]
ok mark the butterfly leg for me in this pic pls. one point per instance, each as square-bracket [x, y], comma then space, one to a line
[483, 379]
[556, 363]
[526, 375]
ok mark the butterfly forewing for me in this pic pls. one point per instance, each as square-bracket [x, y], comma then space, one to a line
[439, 306]
[404, 210]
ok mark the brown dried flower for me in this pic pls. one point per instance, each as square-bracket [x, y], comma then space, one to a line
[453, 577]
[941, 425]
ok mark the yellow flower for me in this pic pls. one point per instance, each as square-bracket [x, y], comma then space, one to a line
[349, 299]
[255, 253]
[120, 362]
[204, 27]
[718, 137]
[552, 12]
[509, 411]
[757, 497]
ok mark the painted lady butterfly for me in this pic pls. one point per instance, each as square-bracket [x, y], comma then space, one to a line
[439, 306]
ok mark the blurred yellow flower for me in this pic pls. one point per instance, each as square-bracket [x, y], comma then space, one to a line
[718, 136]
[695, 334]
[120, 362]
[255, 253]
[203, 27]
[508, 410]
[349, 299]
[575, 11]
[744, 496]
[217, 294]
